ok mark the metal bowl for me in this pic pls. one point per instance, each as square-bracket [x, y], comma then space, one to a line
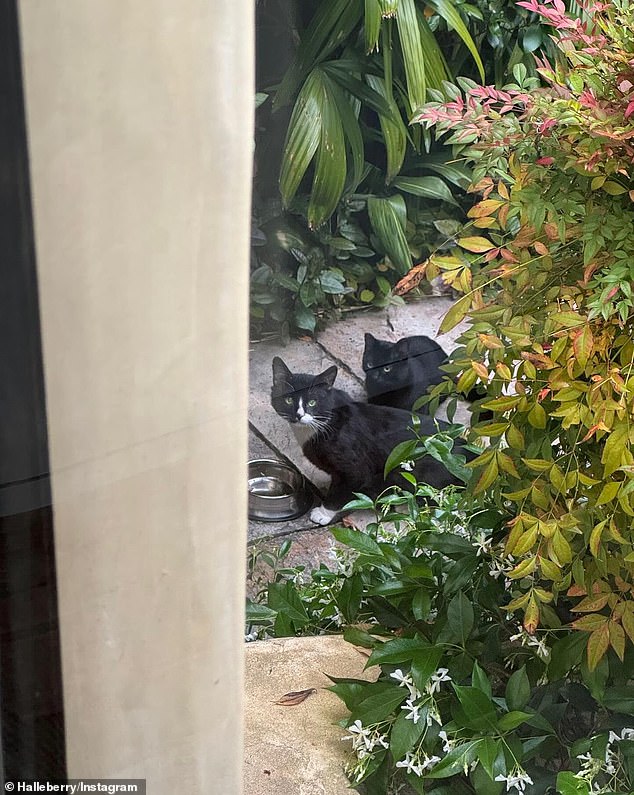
[277, 491]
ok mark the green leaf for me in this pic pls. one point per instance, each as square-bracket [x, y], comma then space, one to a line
[404, 735]
[392, 127]
[619, 699]
[331, 283]
[425, 663]
[399, 650]
[448, 11]
[372, 24]
[387, 226]
[491, 751]
[304, 318]
[512, 720]
[402, 452]
[478, 711]
[414, 59]
[532, 38]
[283, 598]
[379, 705]
[455, 314]
[455, 761]
[460, 617]
[302, 138]
[330, 26]
[518, 689]
[426, 187]
[330, 168]
[257, 613]
[352, 132]
[421, 604]
[351, 692]
[569, 784]
[480, 680]
[358, 540]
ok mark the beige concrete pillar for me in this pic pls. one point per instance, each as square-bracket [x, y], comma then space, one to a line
[140, 128]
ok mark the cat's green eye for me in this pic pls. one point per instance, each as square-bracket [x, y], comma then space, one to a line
[311, 403]
[288, 401]
[387, 368]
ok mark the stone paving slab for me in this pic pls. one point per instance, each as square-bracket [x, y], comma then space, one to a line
[345, 340]
[297, 750]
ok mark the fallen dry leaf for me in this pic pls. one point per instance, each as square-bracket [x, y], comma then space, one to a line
[411, 279]
[295, 697]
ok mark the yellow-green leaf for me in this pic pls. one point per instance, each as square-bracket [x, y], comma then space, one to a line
[515, 438]
[525, 542]
[617, 639]
[608, 492]
[537, 464]
[595, 537]
[561, 548]
[537, 416]
[590, 623]
[598, 645]
[614, 188]
[583, 345]
[475, 244]
[456, 313]
[628, 624]
[549, 569]
[523, 569]
[591, 604]
[487, 478]
[502, 403]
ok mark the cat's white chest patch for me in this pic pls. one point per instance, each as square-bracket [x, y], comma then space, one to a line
[303, 432]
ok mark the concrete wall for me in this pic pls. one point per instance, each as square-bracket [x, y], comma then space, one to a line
[140, 128]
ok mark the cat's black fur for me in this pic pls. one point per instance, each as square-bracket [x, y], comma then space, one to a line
[398, 373]
[348, 440]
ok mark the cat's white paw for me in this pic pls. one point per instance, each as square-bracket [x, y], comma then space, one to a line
[322, 515]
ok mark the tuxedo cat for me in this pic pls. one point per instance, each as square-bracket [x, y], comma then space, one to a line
[398, 373]
[350, 441]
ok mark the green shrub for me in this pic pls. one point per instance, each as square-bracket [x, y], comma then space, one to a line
[466, 700]
[550, 252]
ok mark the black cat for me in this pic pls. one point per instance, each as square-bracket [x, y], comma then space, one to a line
[350, 441]
[398, 373]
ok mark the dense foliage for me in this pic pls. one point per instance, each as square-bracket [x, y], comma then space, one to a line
[362, 193]
[554, 237]
[466, 700]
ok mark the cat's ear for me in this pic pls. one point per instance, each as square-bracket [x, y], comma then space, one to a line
[370, 340]
[367, 358]
[281, 373]
[327, 378]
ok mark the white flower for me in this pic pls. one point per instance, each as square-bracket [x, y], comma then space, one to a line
[411, 764]
[542, 650]
[441, 675]
[482, 543]
[496, 568]
[405, 680]
[447, 744]
[414, 711]
[429, 761]
[518, 779]
[626, 734]
[407, 466]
